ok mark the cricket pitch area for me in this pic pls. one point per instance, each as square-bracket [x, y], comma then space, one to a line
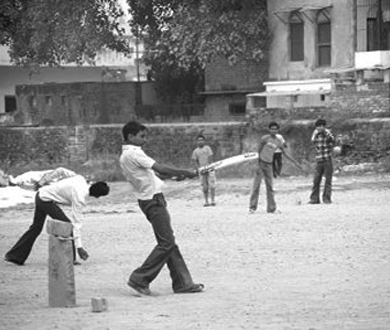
[309, 267]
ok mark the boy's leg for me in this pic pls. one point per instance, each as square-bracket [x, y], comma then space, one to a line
[279, 163]
[315, 193]
[22, 248]
[274, 165]
[254, 198]
[212, 182]
[268, 174]
[166, 250]
[205, 187]
[328, 172]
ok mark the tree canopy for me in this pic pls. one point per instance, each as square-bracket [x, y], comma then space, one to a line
[180, 36]
[54, 32]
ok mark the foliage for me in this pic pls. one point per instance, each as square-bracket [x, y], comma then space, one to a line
[199, 31]
[181, 37]
[56, 32]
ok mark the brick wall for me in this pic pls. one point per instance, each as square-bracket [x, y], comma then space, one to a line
[347, 100]
[370, 99]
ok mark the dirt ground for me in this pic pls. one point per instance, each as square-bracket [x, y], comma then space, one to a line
[310, 267]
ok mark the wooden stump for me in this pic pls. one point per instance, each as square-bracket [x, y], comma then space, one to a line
[62, 292]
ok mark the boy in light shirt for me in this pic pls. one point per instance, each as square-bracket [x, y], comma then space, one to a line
[268, 144]
[72, 192]
[202, 156]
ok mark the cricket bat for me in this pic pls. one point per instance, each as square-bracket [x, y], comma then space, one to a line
[228, 162]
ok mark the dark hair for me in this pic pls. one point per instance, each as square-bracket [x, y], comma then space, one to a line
[201, 136]
[273, 123]
[320, 122]
[133, 128]
[98, 189]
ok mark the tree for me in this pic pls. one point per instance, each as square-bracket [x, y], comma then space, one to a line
[202, 30]
[182, 36]
[56, 32]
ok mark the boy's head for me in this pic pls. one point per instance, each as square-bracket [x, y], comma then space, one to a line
[320, 122]
[200, 140]
[273, 128]
[134, 133]
[320, 125]
[98, 189]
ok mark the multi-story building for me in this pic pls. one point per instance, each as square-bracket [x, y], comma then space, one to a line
[317, 43]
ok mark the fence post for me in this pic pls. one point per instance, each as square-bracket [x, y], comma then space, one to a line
[62, 291]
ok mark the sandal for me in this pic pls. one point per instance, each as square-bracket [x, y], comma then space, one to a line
[192, 289]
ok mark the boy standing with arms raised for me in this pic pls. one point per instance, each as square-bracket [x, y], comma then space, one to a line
[202, 156]
[138, 169]
[324, 143]
[268, 144]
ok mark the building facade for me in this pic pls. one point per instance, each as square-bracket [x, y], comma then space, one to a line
[319, 44]
[109, 67]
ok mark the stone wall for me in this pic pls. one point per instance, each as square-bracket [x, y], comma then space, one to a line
[173, 143]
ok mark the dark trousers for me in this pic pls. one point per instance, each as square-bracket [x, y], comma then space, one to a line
[263, 170]
[277, 164]
[21, 250]
[324, 168]
[165, 252]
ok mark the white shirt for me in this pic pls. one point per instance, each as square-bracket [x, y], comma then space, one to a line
[281, 138]
[71, 192]
[137, 168]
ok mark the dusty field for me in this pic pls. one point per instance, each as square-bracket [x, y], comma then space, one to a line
[310, 267]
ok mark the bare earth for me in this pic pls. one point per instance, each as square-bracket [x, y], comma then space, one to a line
[310, 267]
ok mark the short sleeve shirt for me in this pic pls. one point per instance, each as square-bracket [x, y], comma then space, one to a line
[137, 168]
[281, 138]
[201, 155]
[71, 192]
[271, 144]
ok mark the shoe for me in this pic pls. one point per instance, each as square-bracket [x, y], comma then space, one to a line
[14, 261]
[274, 212]
[207, 205]
[327, 202]
[77, 263]
[192, 289]
[213, 204]
[139, 288]
[313, 202]
[251, 211]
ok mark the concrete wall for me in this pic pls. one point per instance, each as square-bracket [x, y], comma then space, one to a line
[75, 104]
[342, 20]
[11, 76]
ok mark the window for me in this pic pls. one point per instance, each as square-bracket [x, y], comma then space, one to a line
[296, 37]
[237, 109]
[372, 34]
[324, 40]
[10, 103]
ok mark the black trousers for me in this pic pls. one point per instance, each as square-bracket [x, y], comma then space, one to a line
[22, 248]
[166, 252]
[277, 164]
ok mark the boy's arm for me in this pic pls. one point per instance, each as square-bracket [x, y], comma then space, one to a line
[291, 159]
[211, 156]
[261, 145]
[172, 171]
